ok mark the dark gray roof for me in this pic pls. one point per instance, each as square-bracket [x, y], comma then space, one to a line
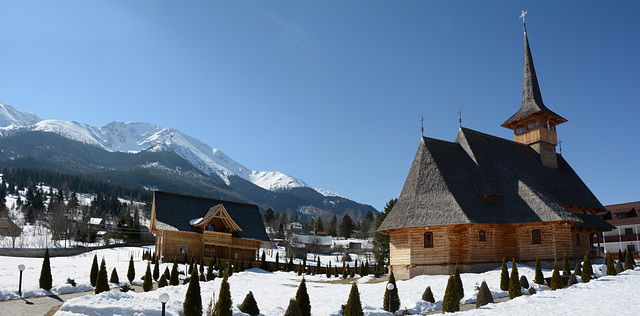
[531, 96]
[481, 178]
[177, 210]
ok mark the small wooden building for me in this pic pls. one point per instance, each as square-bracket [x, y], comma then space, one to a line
[189, 226]
[481, 198]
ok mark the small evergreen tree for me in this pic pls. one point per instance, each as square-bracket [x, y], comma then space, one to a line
[451, 300]
[504, 276]
[328, 270]
[611, 268]
[249, 305]
[131, 273]
[163, 281]
[354, 306]
[539, 278]
[46, 280]
[427, 295]
[302, 298]
[192, 305]
[276, 265]
[556, 280]
[565, 266]
[102, 285]
[628, 261]
[459, 281]
[395, 299]
[156, 270]
[167, 274]
[147, 284]
[263, 262]
[293, 309]
[578, 269]
[210, 275]
[174, 280]
[114, 277]
[619, 267]
[484, 295]
[514, 281]
[201, 266]
[93, 275]
[587, 270]
[224, 303]
[524, 282]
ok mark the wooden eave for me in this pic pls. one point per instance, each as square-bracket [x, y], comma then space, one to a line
[555, 120]
[221, 214]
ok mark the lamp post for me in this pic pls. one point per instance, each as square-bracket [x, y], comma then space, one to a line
[390, 287]
[21, 268]
[164, 298]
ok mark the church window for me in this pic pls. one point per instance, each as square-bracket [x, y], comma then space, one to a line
[182, 249]
[428, 240]
[536, 237]
[532, 124]
[482, 235]
[520, 129]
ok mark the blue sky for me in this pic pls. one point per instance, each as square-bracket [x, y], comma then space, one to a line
[332, 92]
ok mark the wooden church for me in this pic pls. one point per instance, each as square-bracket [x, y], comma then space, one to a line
[481, 198]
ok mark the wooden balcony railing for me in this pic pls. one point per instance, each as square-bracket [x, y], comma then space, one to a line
[618, 238]
[535, 135]
[217, 238]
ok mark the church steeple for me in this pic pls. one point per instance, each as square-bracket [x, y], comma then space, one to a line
[534, 124]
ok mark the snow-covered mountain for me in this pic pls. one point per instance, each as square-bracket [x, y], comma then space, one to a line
[135, 137]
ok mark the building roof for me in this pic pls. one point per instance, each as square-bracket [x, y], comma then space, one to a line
[481, 178]
[612, 215]
[174, 211]
[531, 96]
[312, 239]
[9, 228]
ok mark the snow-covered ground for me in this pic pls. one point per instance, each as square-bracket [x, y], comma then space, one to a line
[606, 294]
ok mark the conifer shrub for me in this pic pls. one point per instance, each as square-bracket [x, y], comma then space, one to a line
[163, 281]
[192, 305]
[46, 280]
[459, 281]
[93, 275]
[249, 305]
[302, 298]
[524, 282]
[293, 309]
[156, 270]
[224, 303]
[114, 277]
[167, 274]
[345, 272]
[514, 281]
[611, 268]
[556, 280]
[565, 266]
[210, 275]
[147, 284]
[202, 278]
[335, 271]
[578, 269]
[504, 276]
[102, 284]
[451, 300]
[619, 267]
[395, 299]
[174, 280]
[628, 261]
[427, 295]
[539, 277]
[201, 266]
[354, 306]
[587, 270]
[131, 273]
[328, 270]
[276, 265]
[484, 295]
[572, 280]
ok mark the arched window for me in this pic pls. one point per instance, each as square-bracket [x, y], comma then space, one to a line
[428, 240]
[577, 239]
[482, 235]
[536, 236]
[595, 240]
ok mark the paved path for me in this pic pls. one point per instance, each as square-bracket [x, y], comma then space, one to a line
[43, 305]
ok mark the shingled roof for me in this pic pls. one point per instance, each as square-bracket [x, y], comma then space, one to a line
[175, 211]
[481, 178]
[531, 96]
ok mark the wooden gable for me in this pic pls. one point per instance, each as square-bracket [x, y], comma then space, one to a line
[219, 218]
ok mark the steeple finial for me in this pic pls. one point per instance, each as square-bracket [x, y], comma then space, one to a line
[460, 116]
[522, 17]
[422, 125]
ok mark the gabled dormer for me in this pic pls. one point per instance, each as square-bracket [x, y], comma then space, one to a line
[217, 219]
[534, 124]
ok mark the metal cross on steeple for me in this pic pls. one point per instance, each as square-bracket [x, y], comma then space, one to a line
[422, 125]
[522, 16]
[460, 116]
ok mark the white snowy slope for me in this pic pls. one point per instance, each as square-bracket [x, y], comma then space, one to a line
[133, 137]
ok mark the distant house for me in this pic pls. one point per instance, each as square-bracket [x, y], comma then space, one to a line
[481, 198]
[187, 226]
[294, 226]
[626, 236]
[303, 244]
[9, 229]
